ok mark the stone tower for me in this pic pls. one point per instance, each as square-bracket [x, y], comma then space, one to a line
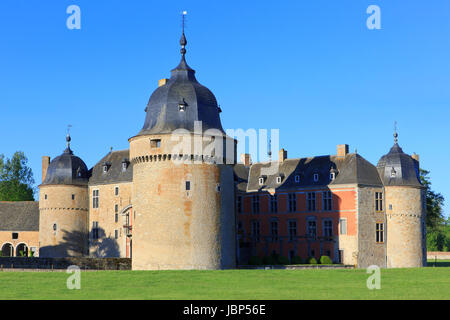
[405, 209]
[183, 189]
[63, 206]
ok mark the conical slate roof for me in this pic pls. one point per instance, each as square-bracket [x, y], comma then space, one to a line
[181, 102]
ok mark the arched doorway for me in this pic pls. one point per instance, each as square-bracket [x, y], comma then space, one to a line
[7, 250]
[22, 250]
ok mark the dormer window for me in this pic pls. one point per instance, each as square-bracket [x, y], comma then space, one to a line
[316, 177]
[332, 176]
[278, 179]
[124, 165]
[261, 181]
[105, 167]
[182, 106]
[297, 179]
[393, 173]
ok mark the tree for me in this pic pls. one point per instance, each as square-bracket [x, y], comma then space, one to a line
[434, 201]
[16, 178]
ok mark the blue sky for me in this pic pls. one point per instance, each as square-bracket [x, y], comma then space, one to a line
[309, 68]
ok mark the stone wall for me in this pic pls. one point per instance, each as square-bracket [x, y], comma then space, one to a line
[406, 243]
[70, 215]
[64, 263]
[29, 238]
[108, 245]
[370, 252]
[176, 228]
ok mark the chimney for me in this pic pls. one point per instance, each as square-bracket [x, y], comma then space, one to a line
[282, 155]
[415, 157]
[45, 163]
[342, 150]
[162, 82]
[246, 159]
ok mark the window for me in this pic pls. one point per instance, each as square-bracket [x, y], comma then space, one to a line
[297, 179]
[328, 229]
[116, 191]
[273, 203]
[327, 201]
[188, 185]
[261, 181]
[218, 187]
[182, 106]
[15, 235]
[55, 227]
[316, 177]
[380, 232]
[393, 172]
[292, 205]
[274, 230]
[155, 143]
[342, 226]
[255, 204]
[95, 197]
[292, 229]
[116, 234]
[312, 229]
[255, 230]
[278, 180]
[116, 208]
[116, 217]
[73, 197]
[332, 176]
[311, 200]
[95, 230]
[239, 204]
[124, 165]
[45, 196]
[378, 201]
[105, 168]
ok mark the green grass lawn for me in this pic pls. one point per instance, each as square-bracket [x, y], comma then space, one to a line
[421, 283]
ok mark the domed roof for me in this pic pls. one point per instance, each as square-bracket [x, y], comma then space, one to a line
[67, 169]
[398, 169]
[180, 102]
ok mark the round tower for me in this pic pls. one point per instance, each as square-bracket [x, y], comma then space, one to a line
[63, 207]
[183, 188]
[405, 209]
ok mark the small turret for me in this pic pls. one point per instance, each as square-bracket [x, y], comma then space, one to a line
[405, 214]
[63, 205]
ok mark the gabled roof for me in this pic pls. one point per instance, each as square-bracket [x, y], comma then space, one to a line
[19, 216]
[115, 173]
[351, 169]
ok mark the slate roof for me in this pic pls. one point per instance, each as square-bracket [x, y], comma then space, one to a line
[19, 216]
[67, 169]
[351, 169]
[241, 176]
[399, 169]
[162, 112]
[113, 160]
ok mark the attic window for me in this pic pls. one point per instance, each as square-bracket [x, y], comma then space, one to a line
[106, 166]
[297, 178]
[332, 175]
[316, 177]
[261, 181]
[278, 179]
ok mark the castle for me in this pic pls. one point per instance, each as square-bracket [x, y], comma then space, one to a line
[178, 198]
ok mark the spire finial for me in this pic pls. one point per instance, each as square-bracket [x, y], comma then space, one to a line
[68, 139]
[395, 132]
[183, 41]
[270, 150]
